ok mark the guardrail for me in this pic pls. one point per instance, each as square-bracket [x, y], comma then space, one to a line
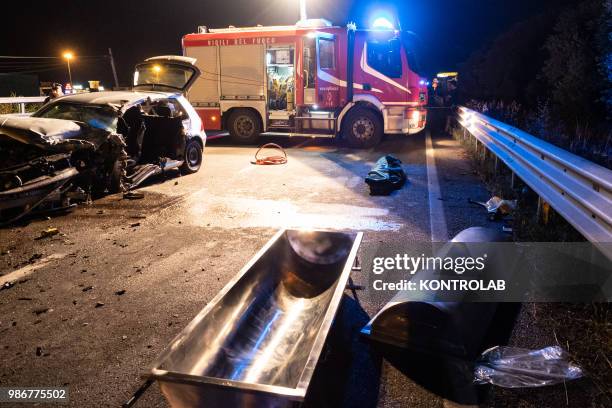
[578, 189]
[21, 101]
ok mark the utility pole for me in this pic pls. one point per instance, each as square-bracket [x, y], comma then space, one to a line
[112, 62]
[68, 56]
[69, 73]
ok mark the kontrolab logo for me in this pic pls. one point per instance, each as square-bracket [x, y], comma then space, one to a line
[412, 264]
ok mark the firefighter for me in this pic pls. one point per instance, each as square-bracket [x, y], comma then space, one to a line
[56, 92]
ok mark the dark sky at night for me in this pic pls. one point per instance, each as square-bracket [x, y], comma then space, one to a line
[449, 30]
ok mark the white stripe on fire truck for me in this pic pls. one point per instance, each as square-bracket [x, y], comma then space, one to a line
[339, 82]
[367, 69]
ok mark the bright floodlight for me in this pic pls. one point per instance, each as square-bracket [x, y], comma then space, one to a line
[68, 55]
[382, 22]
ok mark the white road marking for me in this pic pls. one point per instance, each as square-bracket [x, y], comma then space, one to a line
[437, 220]
[27, 270]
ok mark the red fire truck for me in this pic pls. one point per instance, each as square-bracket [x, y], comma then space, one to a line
[312, 79]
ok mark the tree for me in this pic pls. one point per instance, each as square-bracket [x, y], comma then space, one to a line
[507, 69]
[572, 68]
[605, 60]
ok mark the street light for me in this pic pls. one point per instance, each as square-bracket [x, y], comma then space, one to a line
[68, 56]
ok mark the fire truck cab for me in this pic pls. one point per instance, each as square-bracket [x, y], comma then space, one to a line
[311, 79]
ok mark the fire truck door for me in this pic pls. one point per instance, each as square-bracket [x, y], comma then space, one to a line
[328, 82]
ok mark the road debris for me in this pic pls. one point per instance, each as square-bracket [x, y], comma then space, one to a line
[120, 292]
[386, 176]
[133, 195]
[496, 207]
[49, 232]
[512, 367]
[40, 310]
[34, 258]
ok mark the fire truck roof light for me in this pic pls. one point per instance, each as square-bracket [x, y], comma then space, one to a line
[382, 23]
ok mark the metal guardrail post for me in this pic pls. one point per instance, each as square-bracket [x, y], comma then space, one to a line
[22, 101]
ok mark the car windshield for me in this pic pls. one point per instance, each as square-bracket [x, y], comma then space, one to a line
[99, 117]
[159, 74]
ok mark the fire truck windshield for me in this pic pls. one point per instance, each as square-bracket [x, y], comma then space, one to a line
[412, 45]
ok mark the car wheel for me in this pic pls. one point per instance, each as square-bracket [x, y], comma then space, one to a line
[244, 126]
[193, 157]
[362, 129]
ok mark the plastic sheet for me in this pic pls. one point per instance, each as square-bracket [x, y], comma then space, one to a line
[512, 367]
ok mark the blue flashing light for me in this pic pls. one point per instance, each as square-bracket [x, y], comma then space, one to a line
[383, 23]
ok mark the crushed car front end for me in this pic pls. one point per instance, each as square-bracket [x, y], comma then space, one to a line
[47, 161]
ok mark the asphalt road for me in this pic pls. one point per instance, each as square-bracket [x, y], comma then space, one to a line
[104, 297]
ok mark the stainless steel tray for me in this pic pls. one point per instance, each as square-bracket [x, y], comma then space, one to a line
[258, 341]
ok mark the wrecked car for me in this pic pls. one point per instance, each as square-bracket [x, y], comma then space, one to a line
[97, 142]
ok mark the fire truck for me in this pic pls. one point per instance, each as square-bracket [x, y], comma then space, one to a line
[311, 79]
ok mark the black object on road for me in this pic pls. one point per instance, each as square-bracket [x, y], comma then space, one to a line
[387, 176]
[445, 328]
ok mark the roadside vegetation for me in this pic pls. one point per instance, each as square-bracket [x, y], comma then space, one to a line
[551, 76]
[584, 330]
[7, 108]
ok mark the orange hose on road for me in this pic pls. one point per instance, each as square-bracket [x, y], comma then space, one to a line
[270, 160]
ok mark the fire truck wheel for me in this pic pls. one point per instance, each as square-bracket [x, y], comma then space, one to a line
[244, 126]
[362, 129]
[193, 157]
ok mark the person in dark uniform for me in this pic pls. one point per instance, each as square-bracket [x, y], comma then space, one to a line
[56, 92]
